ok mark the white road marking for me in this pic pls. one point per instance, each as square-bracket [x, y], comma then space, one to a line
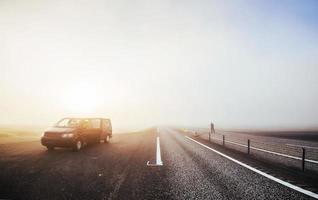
[271, 152]
[294, 187]
[158, 154]
[158, 160]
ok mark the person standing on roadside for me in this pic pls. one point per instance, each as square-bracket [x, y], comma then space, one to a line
[212, 128]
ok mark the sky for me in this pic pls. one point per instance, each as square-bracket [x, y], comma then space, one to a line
[239, 64]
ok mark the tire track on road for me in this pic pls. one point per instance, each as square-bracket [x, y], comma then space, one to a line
[122, 177]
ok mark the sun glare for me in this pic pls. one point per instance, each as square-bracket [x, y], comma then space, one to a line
[82, 98]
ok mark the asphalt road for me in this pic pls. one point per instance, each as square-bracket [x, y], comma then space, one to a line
[118, 170]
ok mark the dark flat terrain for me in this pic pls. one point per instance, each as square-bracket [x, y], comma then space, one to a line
[310, 135]
[118, 170]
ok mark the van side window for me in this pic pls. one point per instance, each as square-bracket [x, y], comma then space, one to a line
[95, 123]
[109, 125]
[104, 126]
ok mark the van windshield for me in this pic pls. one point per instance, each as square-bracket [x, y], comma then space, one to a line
[68, 122]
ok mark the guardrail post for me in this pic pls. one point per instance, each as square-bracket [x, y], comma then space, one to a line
[303, 159]
[248, 146]
[223, 140]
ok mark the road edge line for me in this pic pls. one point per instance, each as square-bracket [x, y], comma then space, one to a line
[289, 185]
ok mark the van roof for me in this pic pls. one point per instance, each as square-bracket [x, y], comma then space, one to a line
[86, 118]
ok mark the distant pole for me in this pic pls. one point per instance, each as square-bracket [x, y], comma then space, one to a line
[223, 140]
[248, 146]
[303, 159]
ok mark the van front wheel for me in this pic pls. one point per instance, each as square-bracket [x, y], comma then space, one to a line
[78, 145]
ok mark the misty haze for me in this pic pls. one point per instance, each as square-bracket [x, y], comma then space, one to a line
[152, 99]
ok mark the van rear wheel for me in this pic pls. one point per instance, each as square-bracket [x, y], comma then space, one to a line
[106, 140]
[50, 148]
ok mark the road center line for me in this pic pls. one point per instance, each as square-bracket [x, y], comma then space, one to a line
[158, 154]
[294, 187]
[158, 160]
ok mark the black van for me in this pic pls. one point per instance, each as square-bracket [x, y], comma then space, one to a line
[77, 132]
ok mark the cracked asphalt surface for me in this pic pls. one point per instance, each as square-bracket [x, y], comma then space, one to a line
[118, 170]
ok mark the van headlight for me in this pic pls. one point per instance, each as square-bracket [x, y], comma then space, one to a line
[67, 135]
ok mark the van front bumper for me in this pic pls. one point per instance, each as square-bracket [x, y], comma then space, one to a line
[60, 142]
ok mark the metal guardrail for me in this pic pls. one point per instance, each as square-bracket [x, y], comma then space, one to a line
[303, 158]
[267, 151]
[286, 150]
